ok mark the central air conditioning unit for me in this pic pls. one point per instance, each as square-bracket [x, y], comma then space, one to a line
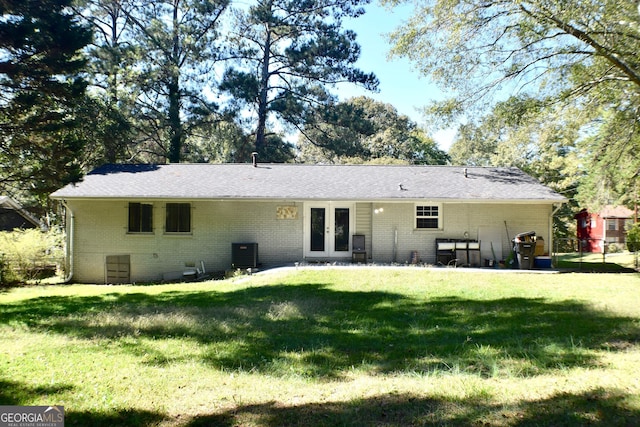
[244, 255]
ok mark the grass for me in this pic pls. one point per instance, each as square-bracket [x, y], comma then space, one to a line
[330, 348]
[623, 262]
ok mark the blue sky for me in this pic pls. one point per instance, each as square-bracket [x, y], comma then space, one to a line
[400, 85]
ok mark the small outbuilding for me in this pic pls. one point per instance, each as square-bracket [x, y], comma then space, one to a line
[13, 216]
[129, 223]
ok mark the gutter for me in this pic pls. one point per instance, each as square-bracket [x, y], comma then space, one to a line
[302, 199]
[556, 208]
[70, 239]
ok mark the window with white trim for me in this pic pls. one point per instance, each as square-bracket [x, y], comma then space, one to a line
[428, 217]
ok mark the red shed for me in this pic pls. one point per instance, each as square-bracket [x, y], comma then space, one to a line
[605, 227]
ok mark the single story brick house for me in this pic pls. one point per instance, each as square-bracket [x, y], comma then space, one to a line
[132, 223]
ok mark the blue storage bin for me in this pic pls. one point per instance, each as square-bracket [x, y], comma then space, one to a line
[542, 262]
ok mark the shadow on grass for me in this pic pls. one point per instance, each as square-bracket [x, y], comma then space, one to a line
[313, 331]
[592, 263]
[121, 418]
[16, 393]
[599, 408]
[594, 267]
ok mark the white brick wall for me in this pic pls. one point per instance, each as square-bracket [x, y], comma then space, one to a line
[101, 230]
[397, 219]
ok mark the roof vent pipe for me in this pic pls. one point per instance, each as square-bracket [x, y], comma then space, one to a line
[465, 173]
[254, 159]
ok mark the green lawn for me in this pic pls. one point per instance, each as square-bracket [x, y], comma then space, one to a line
[333, 348]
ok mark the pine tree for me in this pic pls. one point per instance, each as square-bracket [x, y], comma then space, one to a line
[287, 55]
[177, 48]
[41, 87]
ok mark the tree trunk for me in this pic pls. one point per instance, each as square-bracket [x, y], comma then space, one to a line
[263, 95]
[175, 125]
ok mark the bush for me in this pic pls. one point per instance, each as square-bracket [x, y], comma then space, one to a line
[614, 248]
[29, 254]
[6, 276]
[633, 238]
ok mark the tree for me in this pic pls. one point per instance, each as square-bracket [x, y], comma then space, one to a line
[41, 90]
[581, 53]
[336, 133]
[538, 138]
[287, 54]
[362, 129]
[163, 54]
[112, 80]
[474, 47]
[633, 238]
[633, 241]
[610, 156]
[517, 132]
[108, 133]
[226, 142]
[112, 54]
[216, 143]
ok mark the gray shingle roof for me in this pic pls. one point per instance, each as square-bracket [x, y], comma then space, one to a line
[305, 182]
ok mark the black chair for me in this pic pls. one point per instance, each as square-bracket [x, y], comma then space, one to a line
[358, 249]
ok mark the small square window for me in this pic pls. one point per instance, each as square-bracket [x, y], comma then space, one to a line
[140, 218]
[178, 218]
[428, 217]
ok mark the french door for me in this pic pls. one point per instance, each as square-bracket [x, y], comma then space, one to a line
[328, 229]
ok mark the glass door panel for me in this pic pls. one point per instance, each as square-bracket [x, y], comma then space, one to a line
[341, 230]
[318, 221]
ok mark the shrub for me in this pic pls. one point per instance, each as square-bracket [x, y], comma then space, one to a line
[614, 248]
[6, 275]
[28, 254]
[633, 238]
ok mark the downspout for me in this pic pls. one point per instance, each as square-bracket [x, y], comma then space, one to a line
[70, 238]
[395, 244]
